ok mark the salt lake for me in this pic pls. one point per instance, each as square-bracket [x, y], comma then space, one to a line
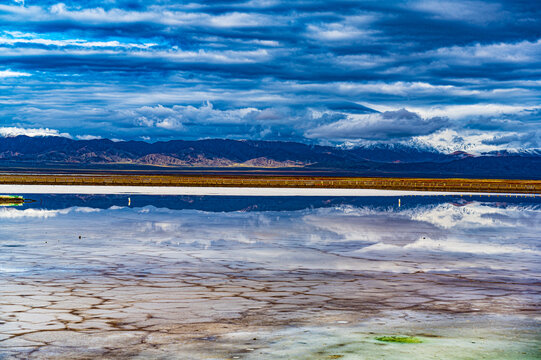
[86, 276]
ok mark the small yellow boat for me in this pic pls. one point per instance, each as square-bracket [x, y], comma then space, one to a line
[11, 200]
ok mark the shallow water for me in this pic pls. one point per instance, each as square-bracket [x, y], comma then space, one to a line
[203, 277]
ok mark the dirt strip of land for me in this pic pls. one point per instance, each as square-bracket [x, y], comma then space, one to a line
[466, 185]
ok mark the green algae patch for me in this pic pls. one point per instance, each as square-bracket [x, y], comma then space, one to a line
[400, 339]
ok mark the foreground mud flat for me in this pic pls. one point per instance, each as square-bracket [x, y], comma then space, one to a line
[87, 277]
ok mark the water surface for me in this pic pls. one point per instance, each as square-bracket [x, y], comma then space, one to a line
[199, 277]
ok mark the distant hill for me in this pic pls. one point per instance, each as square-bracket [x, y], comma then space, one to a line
[392, 160]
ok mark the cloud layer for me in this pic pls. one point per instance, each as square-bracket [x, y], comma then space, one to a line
[292, 70]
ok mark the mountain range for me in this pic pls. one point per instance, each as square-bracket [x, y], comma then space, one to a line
[380, 160]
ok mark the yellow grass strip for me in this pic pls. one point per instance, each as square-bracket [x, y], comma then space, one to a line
[420, 184]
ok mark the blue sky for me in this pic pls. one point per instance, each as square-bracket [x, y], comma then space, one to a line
[456, 75]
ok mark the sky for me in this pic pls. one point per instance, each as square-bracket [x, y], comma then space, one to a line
[448, 74]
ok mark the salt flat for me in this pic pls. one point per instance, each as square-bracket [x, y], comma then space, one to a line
[222, 191]
[195, 277]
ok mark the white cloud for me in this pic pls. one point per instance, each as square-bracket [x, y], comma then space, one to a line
[404, 89]
[12, 131]
[237, 19]
[88, 137]
[413, 89]
[348, 29]
[216, 57]
[478, 54]
[472, 141]
[335, 32]
[174, 117]
[478, 12]
[11, 213]
[459, 246]
[177, 18]
[8, 73]
[463, 111]
[17, 131]
[35, 39]
[448, 216]
[472, 128]
[79, 47]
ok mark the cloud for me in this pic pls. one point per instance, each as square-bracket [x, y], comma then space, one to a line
[96, 16]
[295, 70]
[88, 137]
[10, 213]
[478, 12]
[206, 114]
[8, 73]
[33, 132]
[241, 123]
[478, 54]
[34, 39]
[26, 45]
[477, 142]
[174, 117]
[16, 131]
[470, 110]
[336, 32]
[398, 124]
[531, 140]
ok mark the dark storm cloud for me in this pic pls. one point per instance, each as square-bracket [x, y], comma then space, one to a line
[528, 140]
[303, 70]
[398, 124]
